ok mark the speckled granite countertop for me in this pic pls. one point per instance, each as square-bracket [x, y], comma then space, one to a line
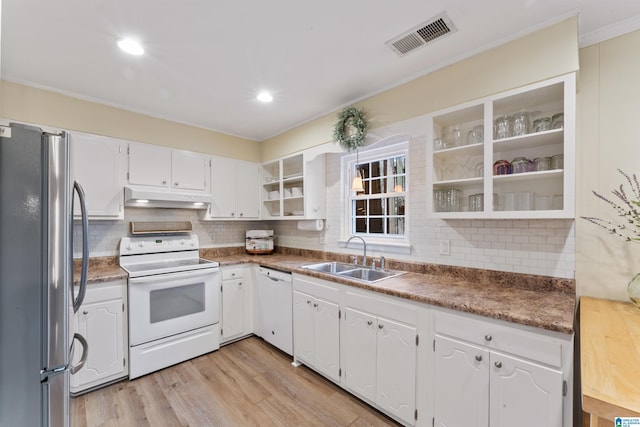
[537, 301]
[100, 270]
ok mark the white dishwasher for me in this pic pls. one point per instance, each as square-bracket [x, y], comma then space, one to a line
[274, 308]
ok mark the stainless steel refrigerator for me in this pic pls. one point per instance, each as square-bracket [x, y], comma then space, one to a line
[36, 276]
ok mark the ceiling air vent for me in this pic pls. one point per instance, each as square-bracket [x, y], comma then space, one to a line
[422, 34]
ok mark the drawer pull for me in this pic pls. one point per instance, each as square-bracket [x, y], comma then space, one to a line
[380, 326]
[370, 322]
[488, 337]
[478, 358]
[498, 364]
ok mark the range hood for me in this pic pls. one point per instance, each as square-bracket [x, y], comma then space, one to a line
[149, 198]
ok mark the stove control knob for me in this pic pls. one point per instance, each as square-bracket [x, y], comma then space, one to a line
[182, 241]
[141, 244]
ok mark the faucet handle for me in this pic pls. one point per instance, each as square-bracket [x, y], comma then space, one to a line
[353, 259]
[382, 263]
[374, 261]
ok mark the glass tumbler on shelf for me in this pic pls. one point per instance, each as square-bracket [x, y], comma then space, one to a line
[542, 124]
[542, 163]
[476, 202]
[520, 123]
[520, 165]
[557, 161]
[503, 127]
[502, 167]
[557, 121]
[475, 135]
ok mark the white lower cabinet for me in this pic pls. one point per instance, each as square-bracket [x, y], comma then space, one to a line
[236, 303]
[316, 333]
[379, 356]
[102, 321]
[486, 374]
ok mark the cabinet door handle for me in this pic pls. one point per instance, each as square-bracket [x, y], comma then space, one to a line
[498, 364]
[85, 312]
[176, 184]
[479, 357]
[164, 181]
[315, 305]
[380, 326]
[241, 214]
[308, 301]
[240, 284]
[370, 322]
[233, 214]
[488, 337]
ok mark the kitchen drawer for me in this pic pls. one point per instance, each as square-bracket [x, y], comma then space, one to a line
[99, 292]
[233, 273]
[510, 338]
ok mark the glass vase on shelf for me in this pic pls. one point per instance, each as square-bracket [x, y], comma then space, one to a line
[633, 290]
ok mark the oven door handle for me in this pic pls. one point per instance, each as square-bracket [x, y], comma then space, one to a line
[172, 276]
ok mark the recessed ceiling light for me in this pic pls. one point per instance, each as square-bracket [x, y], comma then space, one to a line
[264, 96]
[130, 46]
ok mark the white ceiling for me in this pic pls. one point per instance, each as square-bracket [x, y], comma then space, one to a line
[205, 60]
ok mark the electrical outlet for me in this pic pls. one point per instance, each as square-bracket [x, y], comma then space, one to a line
[445, 247]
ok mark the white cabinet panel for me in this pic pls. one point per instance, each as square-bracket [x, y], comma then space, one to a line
[359, 353]
[233, 309]
[234, 189]
[98, 164]
[149, 165]
[396, 380]
[102, 321]
[189, 171]
[524, 393]
[316, 329]
[461, 384]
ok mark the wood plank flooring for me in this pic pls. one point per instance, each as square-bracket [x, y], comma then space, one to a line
[247, 383]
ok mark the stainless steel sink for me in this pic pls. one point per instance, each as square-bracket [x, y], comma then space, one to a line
[369, 275]
[352, 271]
[331, 267]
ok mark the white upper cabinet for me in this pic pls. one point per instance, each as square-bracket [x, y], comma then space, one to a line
[189, 171]
[294, 187]
[511, 155]
[98, 163]
[149, 165]
[162, 167]
[235, 189]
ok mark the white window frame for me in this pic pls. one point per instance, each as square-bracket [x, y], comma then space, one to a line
[388, 243]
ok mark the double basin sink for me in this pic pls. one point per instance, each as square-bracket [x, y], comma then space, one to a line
[352, 271]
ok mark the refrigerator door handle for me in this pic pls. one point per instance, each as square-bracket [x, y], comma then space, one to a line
[77, 301]
[85, 352]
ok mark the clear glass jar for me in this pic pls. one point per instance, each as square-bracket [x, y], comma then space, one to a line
[557, 161]
[557, 121]
[542, 163]
[503, 127]
[502, 167]
[520, 124]
[542, 124]
[476, 202]
[520, 165]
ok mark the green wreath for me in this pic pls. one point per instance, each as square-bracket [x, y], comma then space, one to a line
[351, 128]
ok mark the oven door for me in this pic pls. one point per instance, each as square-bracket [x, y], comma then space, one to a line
[167, 304]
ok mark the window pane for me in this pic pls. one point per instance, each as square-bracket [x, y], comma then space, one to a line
[376, 225]
[395, 225]
[361, 207]
[378, 186]
[378, 169]
[395, 206]
[376, 206]
[397, 165]
[361, 225]
[398, 184]
[364, 170]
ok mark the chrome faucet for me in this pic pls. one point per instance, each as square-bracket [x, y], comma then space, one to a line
[364, 246]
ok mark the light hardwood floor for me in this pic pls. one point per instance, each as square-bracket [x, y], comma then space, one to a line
[247, 383]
